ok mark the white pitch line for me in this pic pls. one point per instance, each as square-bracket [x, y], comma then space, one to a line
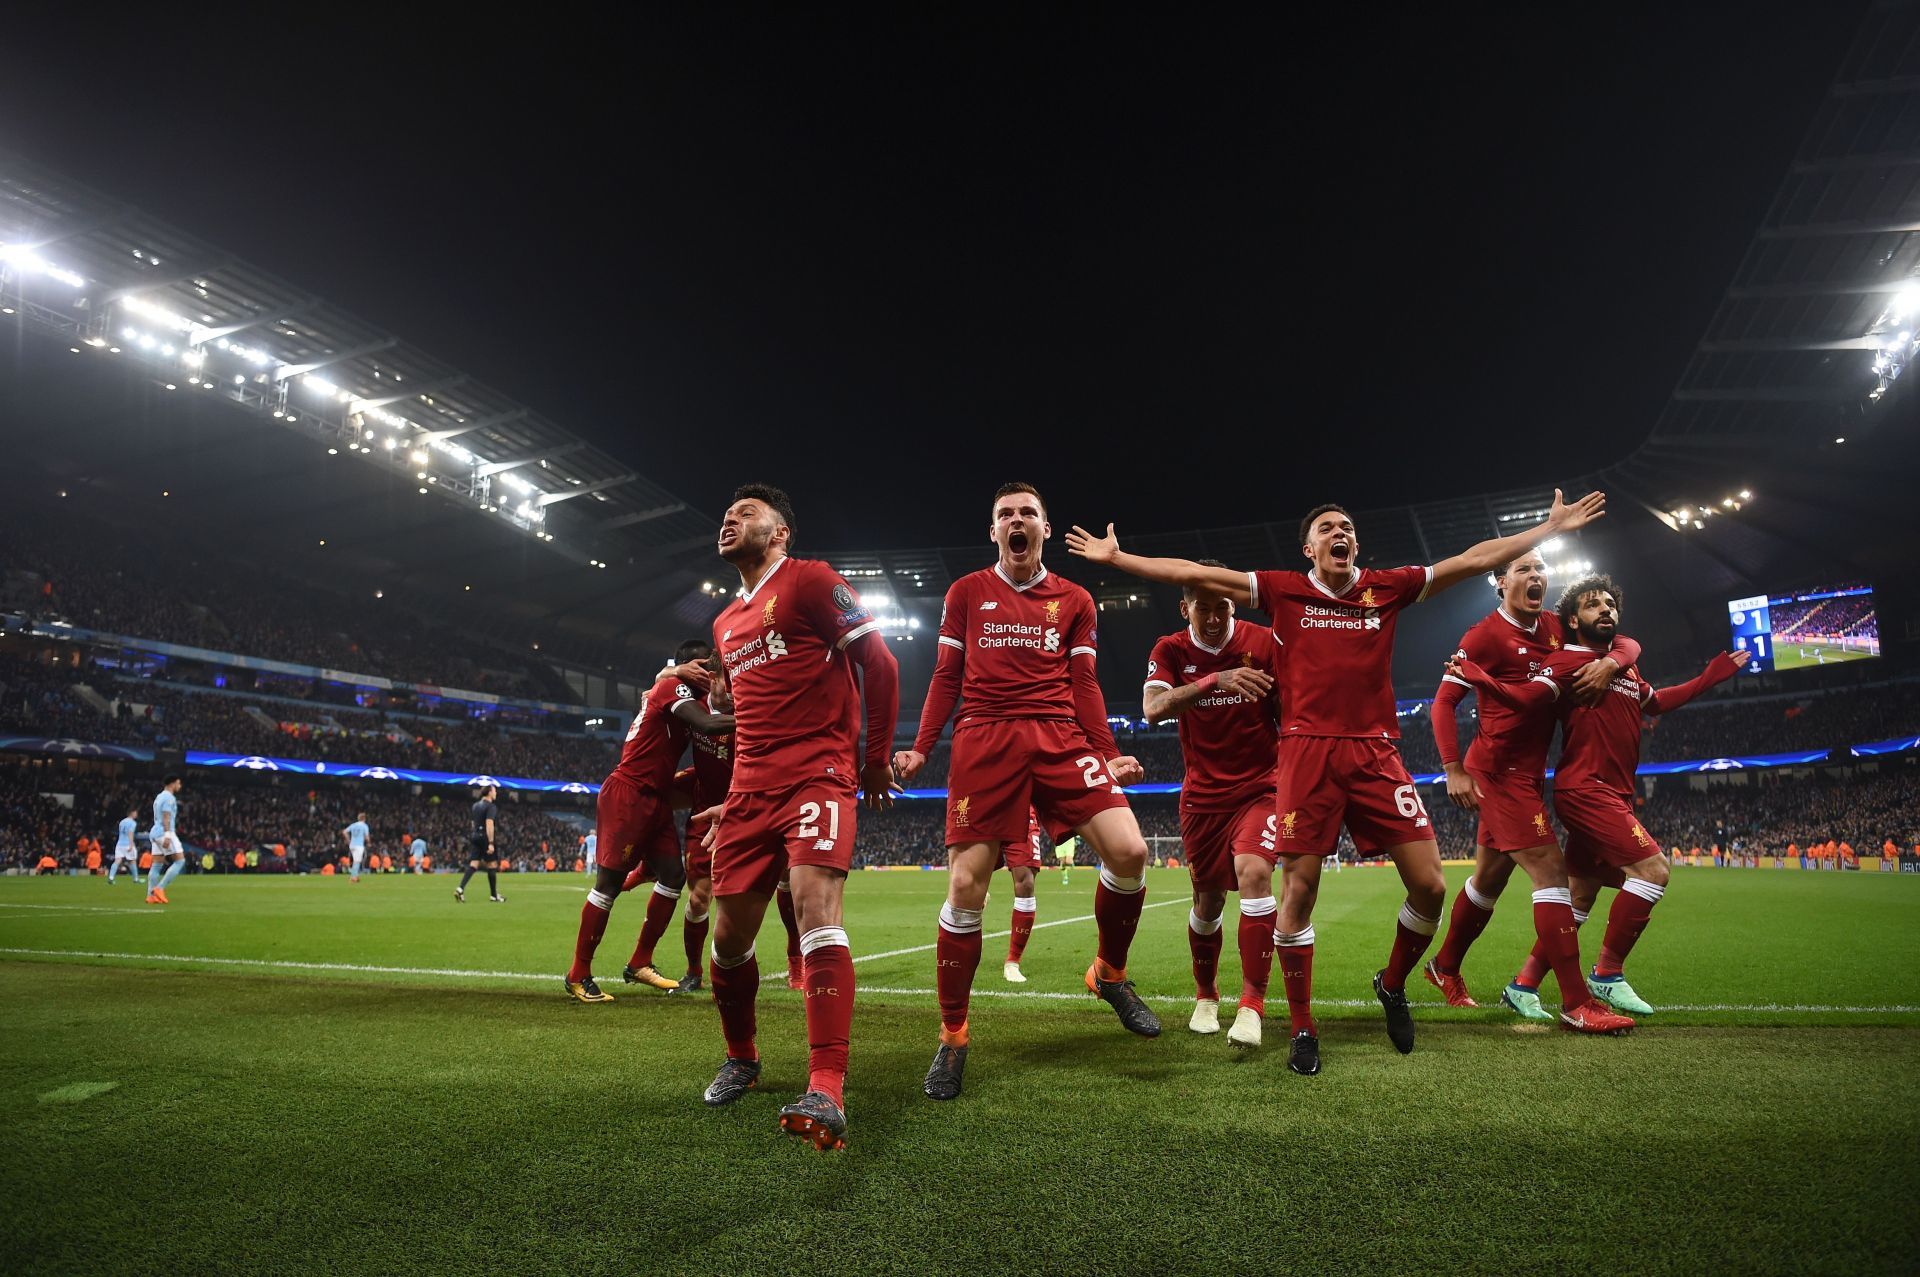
[1772, 1008]
[77, 908]
[998, 935]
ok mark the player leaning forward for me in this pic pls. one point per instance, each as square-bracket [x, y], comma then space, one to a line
[1337, 763]
[790, 643]
[1017, 645]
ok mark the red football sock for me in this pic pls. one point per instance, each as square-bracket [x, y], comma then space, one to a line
[1116, 912]
[1206, 959]
[956, 958]
[593, 925]
[1256, 952]
[1022, 929]
[1295, 953]
[1539, 962]
[1625, 921]
[1412, 933]
[784, 899]
[693, 933]
[1559, 938]
[659, 914]
[734, 992]
[829, 994]
[1464, 925]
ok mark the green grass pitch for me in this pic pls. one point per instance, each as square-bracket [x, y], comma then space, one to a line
[1786, 656]
[376, 1079]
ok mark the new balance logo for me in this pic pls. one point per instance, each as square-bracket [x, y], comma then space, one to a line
[989, 605]
[1189, 669]
[823, 844]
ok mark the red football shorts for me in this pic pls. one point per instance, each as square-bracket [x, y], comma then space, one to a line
[1002, 770]
[633, 826]
[1212, 839]
[1513, 811]
[761, 834]
[1603, 834]
[699, 858]
[1327, 781]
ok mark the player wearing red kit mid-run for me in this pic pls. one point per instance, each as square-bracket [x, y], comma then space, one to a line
[1593, 784]
[1216, 677]
[633, 829]
[1337, 764]
[790, 643]
[1022, 859]
[1504, 779]
[1018, 646]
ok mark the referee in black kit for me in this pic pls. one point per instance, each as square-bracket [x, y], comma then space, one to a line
[480, 851]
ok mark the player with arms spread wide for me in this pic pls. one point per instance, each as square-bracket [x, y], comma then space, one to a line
[1504, 780]
[633, 817]
[1217, 677]
[790, 643]
[1337, 763]
[1017, 645]
[1593, 784]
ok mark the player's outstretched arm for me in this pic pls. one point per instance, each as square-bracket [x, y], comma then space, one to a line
[1719, 670]
[1461, 788]
[1489, 556]
[1531, 693]
[1159, 703]
[703, 720]
[1181, 572]
[943, 693]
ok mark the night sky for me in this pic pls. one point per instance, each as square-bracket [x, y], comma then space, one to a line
[1179, 271]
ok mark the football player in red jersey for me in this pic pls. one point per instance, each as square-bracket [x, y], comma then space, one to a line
[1337, 763]
[790, 643]
[1022, 859]
[1504, 780]
[634, 814]
[1018, 645]
[1593, 784]
[1217, 677]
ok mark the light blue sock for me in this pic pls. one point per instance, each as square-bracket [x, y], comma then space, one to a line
[173, 871]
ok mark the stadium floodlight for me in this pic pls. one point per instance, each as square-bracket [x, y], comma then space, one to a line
[24, 258]
[333, 452]
[1553, 546]
[1745, 495]
[418, 456]
[1841, 439]
[96, 341]
[390, 443]
[423, 492]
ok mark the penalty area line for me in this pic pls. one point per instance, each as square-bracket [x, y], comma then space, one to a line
[287, 964]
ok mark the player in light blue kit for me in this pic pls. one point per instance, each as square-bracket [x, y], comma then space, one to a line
[165, 842]
[124, 847]
[356, 836]
[590, 847]
[417, 854]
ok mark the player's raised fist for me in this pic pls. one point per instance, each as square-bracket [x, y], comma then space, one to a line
[1092, 548]
[1569, 518]
[1126, 770]
[907, 763]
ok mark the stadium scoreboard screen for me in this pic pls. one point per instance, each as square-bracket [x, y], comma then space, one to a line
[1821, 626]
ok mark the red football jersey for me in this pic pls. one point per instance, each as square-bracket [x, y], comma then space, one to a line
[1510, 740]
[712, 765]
[656, 738]
[1600, 743]
[796, 703]
[1338, 675]
[1017, 641]
[1227, 741]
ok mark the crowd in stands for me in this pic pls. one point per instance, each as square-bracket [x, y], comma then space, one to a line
[1853, 617]
[84, 576]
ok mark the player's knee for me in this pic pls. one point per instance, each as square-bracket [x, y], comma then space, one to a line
[1655, 871]
[1209, 904]
[1128, 860]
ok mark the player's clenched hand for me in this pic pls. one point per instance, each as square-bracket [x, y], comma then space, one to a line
[1250, 683]
[1466, 671]
[907, 763]
[1126, 770]
[877, 786]
[1570, 518]
[1092, 548]
[1463, 789]
[1591, 683]
[693, 672]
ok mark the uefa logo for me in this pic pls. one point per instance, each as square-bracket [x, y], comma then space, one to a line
[255, 763]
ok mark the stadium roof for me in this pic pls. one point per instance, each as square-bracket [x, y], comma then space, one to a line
[194, 320]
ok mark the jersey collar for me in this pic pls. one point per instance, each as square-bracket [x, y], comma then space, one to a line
[1210, 651]
[1510, 619]
[1576, 647]
[1313, 575]
[777, 565]
[1032, 581]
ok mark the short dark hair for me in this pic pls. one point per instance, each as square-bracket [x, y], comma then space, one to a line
[1008, 489]
[1187, 591]
[1306, 524]
[170, 778]
[1570, 598]
[694, 649]
[775, 499]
